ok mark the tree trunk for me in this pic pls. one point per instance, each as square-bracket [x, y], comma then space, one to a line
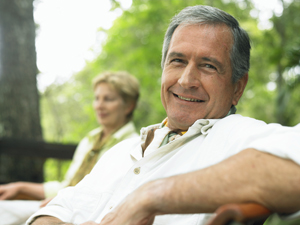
[282, 91]
[19, 99]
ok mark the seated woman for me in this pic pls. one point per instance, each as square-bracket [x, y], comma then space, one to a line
[116, 96]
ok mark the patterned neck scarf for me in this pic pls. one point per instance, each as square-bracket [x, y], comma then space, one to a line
[173, 134]
[89, 160]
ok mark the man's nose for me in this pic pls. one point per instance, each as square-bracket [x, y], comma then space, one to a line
[190, 78]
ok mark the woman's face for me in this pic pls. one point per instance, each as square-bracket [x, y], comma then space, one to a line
[111, 110]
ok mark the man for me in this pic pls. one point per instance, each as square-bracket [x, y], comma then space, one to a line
[202, 156]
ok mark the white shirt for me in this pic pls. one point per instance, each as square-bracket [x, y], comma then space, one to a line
[122, 169]
[84, 147]
[26, 208]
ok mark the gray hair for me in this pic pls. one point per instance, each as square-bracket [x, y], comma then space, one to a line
[240, 52]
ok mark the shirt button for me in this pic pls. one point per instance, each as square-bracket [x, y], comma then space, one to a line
[137, 170]
[110, 207]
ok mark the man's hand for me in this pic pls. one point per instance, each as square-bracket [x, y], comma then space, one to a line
[9, 191]
[136, 209]
[50, 220]
[89, 223]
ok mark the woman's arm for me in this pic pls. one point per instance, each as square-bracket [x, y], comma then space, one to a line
[28, 189]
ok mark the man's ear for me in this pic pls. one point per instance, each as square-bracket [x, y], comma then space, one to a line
[240, 86]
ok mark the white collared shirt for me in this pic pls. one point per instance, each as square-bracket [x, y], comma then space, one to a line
[123, 168]
[84, 147]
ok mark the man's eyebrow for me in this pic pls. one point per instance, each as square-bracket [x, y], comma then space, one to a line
[175, 54]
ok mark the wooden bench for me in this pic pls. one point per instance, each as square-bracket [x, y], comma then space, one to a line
[35, 149]
[29, 148]
[240, 214]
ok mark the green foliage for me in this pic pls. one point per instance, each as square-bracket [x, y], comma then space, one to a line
[275, 220]
[55, 169]
[67, 113]
[281, 43]
[67, 116]
[134, 44]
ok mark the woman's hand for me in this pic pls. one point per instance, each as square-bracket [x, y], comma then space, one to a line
[9, 191]
[45, 202]
[29, 190]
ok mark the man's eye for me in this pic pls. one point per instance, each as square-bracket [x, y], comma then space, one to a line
[176, 60]
[210, 66]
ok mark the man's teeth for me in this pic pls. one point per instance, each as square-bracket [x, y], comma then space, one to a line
[189, 99]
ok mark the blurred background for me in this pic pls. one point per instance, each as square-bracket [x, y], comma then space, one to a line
[133, 42]
[50, 50]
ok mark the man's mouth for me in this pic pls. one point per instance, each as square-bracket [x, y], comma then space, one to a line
[188, 99]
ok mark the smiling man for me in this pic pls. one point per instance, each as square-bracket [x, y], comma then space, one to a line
[202, 155]
[197, 76]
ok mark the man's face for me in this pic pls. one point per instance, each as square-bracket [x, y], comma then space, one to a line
[196, 80]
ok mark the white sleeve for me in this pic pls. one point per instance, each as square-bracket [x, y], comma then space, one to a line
[278, 140]
[238, 133]
[51, 188]
[57, 207]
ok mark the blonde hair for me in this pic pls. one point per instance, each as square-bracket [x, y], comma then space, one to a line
[124, 83]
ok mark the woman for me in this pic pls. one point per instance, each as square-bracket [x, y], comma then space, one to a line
[116, 95]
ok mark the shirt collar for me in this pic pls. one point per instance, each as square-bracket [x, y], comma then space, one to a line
[126, 129]
[201, 125]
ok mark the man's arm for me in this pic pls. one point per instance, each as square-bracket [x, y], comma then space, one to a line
[249, 176]
[48, 220]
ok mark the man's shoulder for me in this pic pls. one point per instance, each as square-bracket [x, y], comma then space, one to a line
[239, 120]
[237, 124]
[127, 144]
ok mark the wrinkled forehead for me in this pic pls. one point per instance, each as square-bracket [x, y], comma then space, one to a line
[220, 29]
[216, 36]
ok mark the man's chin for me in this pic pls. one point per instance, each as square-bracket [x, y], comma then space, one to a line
[181, 123]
